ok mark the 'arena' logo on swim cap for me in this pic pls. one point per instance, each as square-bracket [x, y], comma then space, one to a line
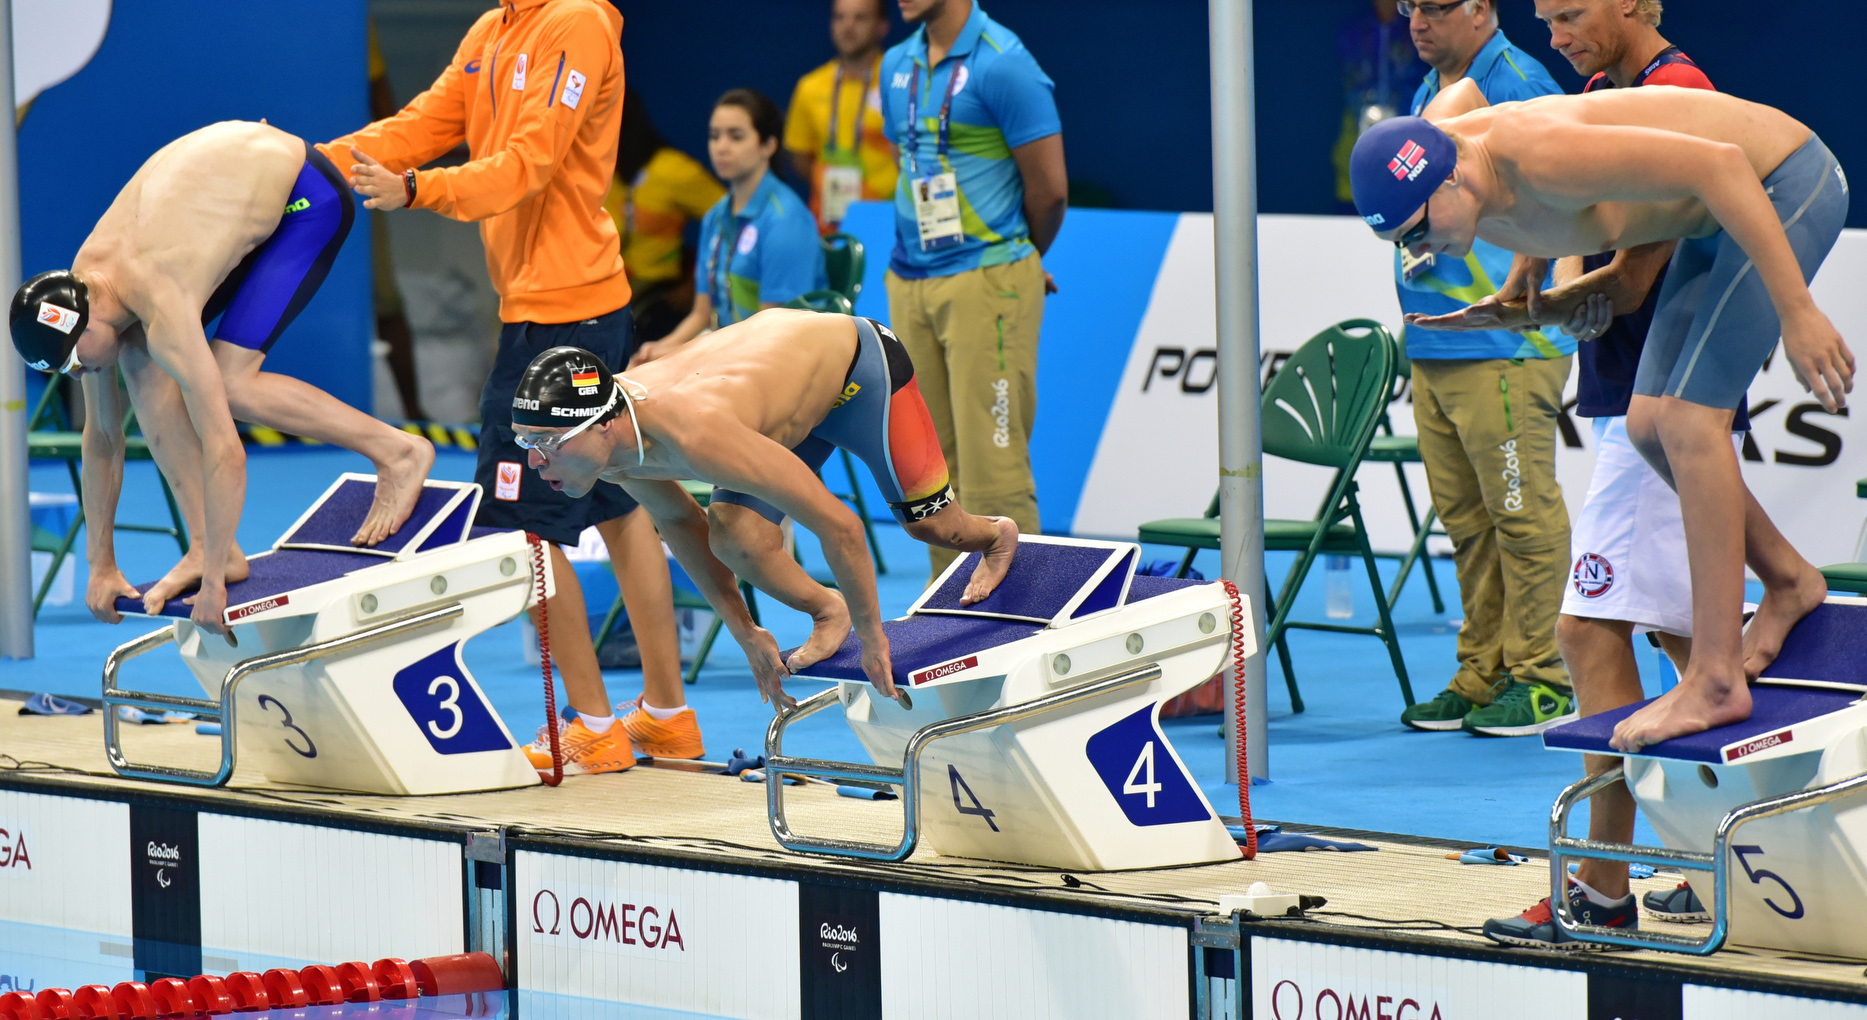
[1376, 220]
[525, 403]
[1409, 162]
[61, 319]
[39, 366]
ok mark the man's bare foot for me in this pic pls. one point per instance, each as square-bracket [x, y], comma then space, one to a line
[829, 629]
[185, 575]
[1778, 614]
[993, 565]
[1696, 705]
[398, 487]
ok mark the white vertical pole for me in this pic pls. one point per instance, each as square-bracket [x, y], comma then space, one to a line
[15, 519]
[1241, 452]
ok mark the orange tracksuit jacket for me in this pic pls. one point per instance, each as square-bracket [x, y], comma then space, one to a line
[535, 90]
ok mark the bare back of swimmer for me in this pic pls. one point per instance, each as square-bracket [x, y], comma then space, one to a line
[1756, 201]
[238, 221]
[755, 408]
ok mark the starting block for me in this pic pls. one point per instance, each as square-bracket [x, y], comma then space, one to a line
[343, 669]
[1792, 779]
[1028, 726]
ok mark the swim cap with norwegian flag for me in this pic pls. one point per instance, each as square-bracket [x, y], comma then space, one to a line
[1396, 166]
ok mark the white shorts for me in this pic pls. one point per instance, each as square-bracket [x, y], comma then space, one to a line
[1627, 548]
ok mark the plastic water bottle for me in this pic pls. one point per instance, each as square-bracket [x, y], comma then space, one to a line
[1341, 594]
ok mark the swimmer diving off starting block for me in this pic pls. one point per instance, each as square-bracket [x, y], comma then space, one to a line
[239, 221]
[1755, 200]
[756, 408]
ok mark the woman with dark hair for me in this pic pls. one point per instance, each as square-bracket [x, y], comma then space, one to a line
[758, 244]
[656, 192]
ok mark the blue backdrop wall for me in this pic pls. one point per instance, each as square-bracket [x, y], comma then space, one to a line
[1132, 78]
[167, 67]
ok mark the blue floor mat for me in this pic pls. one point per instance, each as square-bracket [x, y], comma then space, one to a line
[1346, 762]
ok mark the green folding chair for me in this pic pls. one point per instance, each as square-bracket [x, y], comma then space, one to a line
[1849, 577]
[844, 261]
[1388, 448]
[1321, 408]
[66, 444]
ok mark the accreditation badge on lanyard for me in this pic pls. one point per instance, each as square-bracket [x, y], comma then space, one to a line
[936, 195]
[841, 181]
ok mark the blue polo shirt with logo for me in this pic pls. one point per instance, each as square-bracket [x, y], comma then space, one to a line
[1002, 100]
[1503, 73]
[768, 254]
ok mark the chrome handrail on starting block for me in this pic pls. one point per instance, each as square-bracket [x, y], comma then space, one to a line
[908, 775]
[224, 708]
[1561, 847]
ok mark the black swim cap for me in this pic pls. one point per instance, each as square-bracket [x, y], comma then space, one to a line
[49, 314]
[564, 387]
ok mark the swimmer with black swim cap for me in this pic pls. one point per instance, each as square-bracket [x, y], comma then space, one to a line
[756, 408]
[1755, 201]
[237, 222]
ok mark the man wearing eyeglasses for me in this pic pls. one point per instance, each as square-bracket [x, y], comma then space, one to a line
[1485, 404]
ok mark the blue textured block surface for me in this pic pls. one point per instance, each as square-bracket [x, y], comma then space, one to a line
[1042, 579]
[1772, 708]
[339, 517]
[1146, 587]
[273, 573]
[922, 641]
[1829, 645]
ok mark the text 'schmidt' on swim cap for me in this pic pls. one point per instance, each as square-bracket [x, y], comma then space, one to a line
[1396, 166]
[564, 386]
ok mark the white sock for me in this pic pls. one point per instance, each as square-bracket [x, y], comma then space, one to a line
[663, 714]
[1596, 897]
[597, 724]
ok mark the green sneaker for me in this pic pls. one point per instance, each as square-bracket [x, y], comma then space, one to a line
[1445, 712]
[1523, 710]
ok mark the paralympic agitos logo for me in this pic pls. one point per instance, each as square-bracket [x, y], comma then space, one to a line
[597, 920]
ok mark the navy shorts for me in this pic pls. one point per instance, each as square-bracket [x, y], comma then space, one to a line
[1715, 322]
[275, 281]
[515, 497]
[882, 418]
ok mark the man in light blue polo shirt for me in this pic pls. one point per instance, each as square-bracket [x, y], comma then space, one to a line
[1486, 405]
[979, 198]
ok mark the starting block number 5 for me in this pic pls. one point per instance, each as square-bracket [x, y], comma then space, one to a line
[1758, 876]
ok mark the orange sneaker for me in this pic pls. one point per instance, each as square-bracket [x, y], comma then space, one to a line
[585, 753]
[678, 737]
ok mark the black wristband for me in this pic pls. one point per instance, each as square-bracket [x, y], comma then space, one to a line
[408, 184]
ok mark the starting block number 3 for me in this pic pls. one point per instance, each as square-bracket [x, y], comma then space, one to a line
[446, 707]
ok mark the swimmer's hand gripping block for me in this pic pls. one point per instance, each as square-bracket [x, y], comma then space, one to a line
[1767, 817]
[344, 669]
[1029, 731]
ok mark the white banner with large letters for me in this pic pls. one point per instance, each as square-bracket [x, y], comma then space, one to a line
[1158, 452]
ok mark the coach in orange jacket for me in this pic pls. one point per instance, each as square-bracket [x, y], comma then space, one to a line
[535, 90]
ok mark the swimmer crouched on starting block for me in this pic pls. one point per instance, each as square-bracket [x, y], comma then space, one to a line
[236, 220]
[756, 408]
[1755, 200]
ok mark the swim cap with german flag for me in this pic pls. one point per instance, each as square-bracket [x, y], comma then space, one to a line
[1396, 166]
[562, 388]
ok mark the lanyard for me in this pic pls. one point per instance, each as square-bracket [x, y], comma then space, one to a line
[946, 108]
[1669, 55]
[722, 285]
[836, 99]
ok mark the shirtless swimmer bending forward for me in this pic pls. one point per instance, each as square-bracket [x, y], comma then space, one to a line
[239, 221]
[1755, 200]
[755, 408]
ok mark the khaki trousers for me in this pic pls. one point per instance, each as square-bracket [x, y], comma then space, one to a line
[973, 338]
[1488, 439]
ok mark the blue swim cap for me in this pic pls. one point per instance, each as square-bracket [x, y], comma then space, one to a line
[1396, 166]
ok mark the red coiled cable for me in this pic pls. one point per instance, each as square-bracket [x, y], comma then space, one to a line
[1238, 720]
[544, 657]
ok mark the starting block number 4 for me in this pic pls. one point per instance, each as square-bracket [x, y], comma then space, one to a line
[1142, 775]
[449, 711]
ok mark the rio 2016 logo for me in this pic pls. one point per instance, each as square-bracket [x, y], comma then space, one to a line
[1513, 477]
[1001, 413]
